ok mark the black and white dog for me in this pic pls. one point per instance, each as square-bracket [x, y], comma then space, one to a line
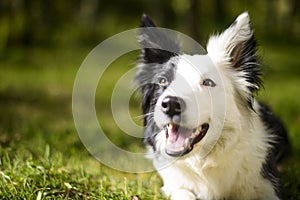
[201, 110]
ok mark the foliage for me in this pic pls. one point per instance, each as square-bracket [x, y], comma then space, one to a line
[57, 22]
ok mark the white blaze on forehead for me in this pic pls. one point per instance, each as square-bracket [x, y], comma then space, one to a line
[192, 69]
[201, 63]
[188, 70]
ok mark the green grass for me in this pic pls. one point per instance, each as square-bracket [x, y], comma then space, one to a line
[51, 175]
[41, 155]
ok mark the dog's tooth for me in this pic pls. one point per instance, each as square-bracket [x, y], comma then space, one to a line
[170, 127]
[194, 134]
[187, 142]
[199, 129]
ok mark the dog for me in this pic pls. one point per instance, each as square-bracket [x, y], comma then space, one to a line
[209, 137]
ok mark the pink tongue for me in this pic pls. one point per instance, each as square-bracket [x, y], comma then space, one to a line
[177, 137]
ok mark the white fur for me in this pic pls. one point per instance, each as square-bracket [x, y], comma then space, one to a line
[232, 170]
[231, 167]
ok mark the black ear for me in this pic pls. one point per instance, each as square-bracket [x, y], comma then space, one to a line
[146, 21]
[156, 46]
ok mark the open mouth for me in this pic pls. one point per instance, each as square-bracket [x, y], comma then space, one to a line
[181, 140]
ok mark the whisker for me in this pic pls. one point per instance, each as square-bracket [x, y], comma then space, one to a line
[142, 116]
[150, 122]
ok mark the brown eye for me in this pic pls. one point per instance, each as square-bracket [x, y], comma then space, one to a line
[163, 81]
[209, 82]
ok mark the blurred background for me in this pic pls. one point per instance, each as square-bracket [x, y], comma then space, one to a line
[43, 43]
[86, 22]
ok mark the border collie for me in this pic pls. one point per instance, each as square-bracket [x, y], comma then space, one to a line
[210, 137]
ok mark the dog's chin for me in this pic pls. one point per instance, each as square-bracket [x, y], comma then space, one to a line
[180, 140]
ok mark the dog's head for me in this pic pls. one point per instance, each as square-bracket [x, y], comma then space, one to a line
[185, 97]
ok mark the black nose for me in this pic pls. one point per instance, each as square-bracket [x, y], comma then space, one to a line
[172, 105]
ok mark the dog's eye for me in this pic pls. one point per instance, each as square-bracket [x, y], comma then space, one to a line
[163, 81]
[208, 82]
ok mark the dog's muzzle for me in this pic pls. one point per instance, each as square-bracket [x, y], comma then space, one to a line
[179, 139]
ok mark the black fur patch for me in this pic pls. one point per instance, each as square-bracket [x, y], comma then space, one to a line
[246, 60]
[269, 171]
[281, 147]
[157, 47]
[156, 62]
[150, 91]
[147, 79]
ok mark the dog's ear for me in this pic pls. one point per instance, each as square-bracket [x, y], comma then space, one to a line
[236, 46]
[157, 47]
[146, 21]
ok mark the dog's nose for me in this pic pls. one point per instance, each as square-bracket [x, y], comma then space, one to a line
[172, 105]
